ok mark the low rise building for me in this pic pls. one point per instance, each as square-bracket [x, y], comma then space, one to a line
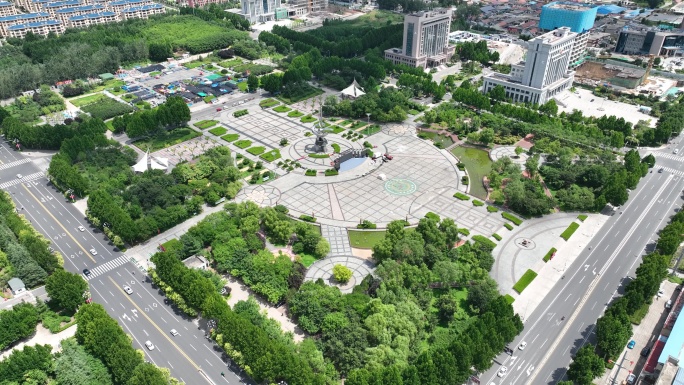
[38, 28]
[545, 72]
[650, 42]
[142, 12]
[88, 19]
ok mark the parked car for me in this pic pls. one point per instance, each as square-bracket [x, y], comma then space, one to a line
[645, 351]
[631, 378]
[631, 344]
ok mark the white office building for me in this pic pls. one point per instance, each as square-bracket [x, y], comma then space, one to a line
[257, 11]
[426, 40]
[543, 74]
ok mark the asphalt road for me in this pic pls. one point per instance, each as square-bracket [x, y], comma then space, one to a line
[566, 318]
[190, 356]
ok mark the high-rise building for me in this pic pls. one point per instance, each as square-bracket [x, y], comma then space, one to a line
[257, 11]
[426, 40]
[579, 17]
[544, 73]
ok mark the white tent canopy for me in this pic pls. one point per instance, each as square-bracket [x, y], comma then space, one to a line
[150, 162]
[353, 91]
[142, 165]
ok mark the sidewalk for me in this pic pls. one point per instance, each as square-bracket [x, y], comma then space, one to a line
[43, 337]
[29, 296]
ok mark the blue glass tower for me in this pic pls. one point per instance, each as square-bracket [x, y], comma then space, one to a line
[577, 16]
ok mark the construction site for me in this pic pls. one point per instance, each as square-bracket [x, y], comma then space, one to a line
[627, 78]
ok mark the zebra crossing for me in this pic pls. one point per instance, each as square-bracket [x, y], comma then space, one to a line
[666, 155]
[671, 170]
[105, 267]
[5, 166]
[25, 178]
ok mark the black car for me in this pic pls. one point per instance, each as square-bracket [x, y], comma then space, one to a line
[645, 351]
[86, 272]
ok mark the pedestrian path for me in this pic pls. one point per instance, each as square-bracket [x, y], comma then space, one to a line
[25, 178]
[105, 267]
[673, 171]
[5, 166]
[338, 239]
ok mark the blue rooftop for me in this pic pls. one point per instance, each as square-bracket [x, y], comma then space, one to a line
[82, 8]
[606, 9]
[24, 16]
[5, 3]
[126, 2]
[35, 24]
[143, 7]
[675, 342]
[94, 15]
[60, 4]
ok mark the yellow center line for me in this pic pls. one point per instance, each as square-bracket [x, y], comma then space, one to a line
[154, 324]
[87, 253]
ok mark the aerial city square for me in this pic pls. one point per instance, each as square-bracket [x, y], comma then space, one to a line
[351, 192]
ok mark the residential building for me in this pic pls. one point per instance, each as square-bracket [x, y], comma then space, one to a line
[65, 14]
[119, 5]
[22, 18]
[650, 42]
[578, 17]
[88, 19]
[55, 6]
[545, 72]
[425, 40]
[37, 27]
[303, 7]
[7, 8]
[143, 12]
[197, 3]
[257, 11]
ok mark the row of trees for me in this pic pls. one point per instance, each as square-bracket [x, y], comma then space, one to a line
[171, 114]
[614, 328]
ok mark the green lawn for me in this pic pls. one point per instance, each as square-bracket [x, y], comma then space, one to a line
[218, 131]
[478, 165]
[307, 260]
[230, 63]
[266, 103]
[282, 109]
[242, 86]
[230, 137]
[294, 114]
[365, 239]
[85, 100]
[310, 94]
[308, 119]
[108, 84]
[525, 280]
[204, 124]
[167, 139]
[569, 231]
[442, 141]
[243, 143]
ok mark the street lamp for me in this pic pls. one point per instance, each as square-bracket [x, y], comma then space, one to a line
[368, 114]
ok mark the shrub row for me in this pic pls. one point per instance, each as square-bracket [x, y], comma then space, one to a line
[517, 221]
[461, 196]
[240, 113]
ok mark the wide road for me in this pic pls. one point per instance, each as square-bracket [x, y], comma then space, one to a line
[567, 316]
[190, 356]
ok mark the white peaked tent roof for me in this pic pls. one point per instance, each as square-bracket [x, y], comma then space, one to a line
[354, 90]
[157, 166]
[142, 165]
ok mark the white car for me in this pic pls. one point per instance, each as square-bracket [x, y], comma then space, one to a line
[174, 332]
[502, 371]
[19, 176]
[676, 150]
[522, 345]
[660, 293]
[81, 228]
[93, 251]
[128, 289]
[149, 345]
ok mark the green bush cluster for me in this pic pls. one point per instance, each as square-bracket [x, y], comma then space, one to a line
[461, 196]
[282, 108]
[567, 233]
[464, 231]
[294, 114]
[465, 180]
[244, 143]
[517, 221]
[481, 239]
[266, 103]
[366, 225]
[492, 209]
[331, 172]
[549, 254]
[310, 172]
[308, 119]
[477, 203]
[240, 113]
[433, 216]
[307, 218]
[105, 108]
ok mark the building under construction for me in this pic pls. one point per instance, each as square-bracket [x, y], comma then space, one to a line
[597, 73]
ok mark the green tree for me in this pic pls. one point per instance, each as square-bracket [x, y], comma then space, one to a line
[518, 150]
[498, 93]
[585, 366]
[66, 290]
[342, 273]
[75, 366]
[252, 83]
[149, 374]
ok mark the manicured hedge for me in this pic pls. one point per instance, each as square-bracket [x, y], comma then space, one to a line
[218, 131]
[266, 103]
[508, 226]
[271, 155]
[433, 216]
[240, 113]
[294, 114]
[310, 172]
[336, 148]
[307, 218]
[492, 209]
[582, 217]
[548, 255]
[517, 221]
[569, 231]
[461, 196]
[319, 156]
[496, 236]
[463, 231]
[230, 137]
[204, 124]
[477, 203]
[243, 143]
[282, 108]
[525, 280]
[331, 172]
[484, 240]
[307, 119]
[256, 150]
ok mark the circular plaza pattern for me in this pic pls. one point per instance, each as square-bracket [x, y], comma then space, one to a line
[263, 195]
[323, 270]
[508, 152]
[399, 129]
[301, 150]
[399, 186]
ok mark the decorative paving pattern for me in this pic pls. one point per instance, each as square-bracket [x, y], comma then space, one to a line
[400, 186]
[338, 239]
[266, 127]
[525, 243]
[187, 150]
[263, 195]
[508, 152]
[399, 129]
[323, 270]
[310, 199]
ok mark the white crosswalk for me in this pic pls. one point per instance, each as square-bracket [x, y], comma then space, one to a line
[25, 178]
[105, 267]
[668, 156]
[670, 170]
[5, 166]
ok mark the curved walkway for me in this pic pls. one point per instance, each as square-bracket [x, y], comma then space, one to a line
[508, 152]
[323, 269]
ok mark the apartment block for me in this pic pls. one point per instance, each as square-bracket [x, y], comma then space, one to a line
[545, 72]
[38, 28]
[426, 40]
[142, 12]
[65, 14]
[257, 11]
[119, 5]
[53, 7]
[88, 19]
[7, 8]
[22, 18]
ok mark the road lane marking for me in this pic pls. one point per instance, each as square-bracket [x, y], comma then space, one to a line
[192, 347]
[569, 295]
[59, 223]
[157, 327]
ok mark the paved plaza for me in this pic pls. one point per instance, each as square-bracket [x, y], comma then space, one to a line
[508, 152]
[323, 270]
[265, 127]
[187, 150]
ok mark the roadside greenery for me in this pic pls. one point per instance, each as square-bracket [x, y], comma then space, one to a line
[567, 233]
[524, 281]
